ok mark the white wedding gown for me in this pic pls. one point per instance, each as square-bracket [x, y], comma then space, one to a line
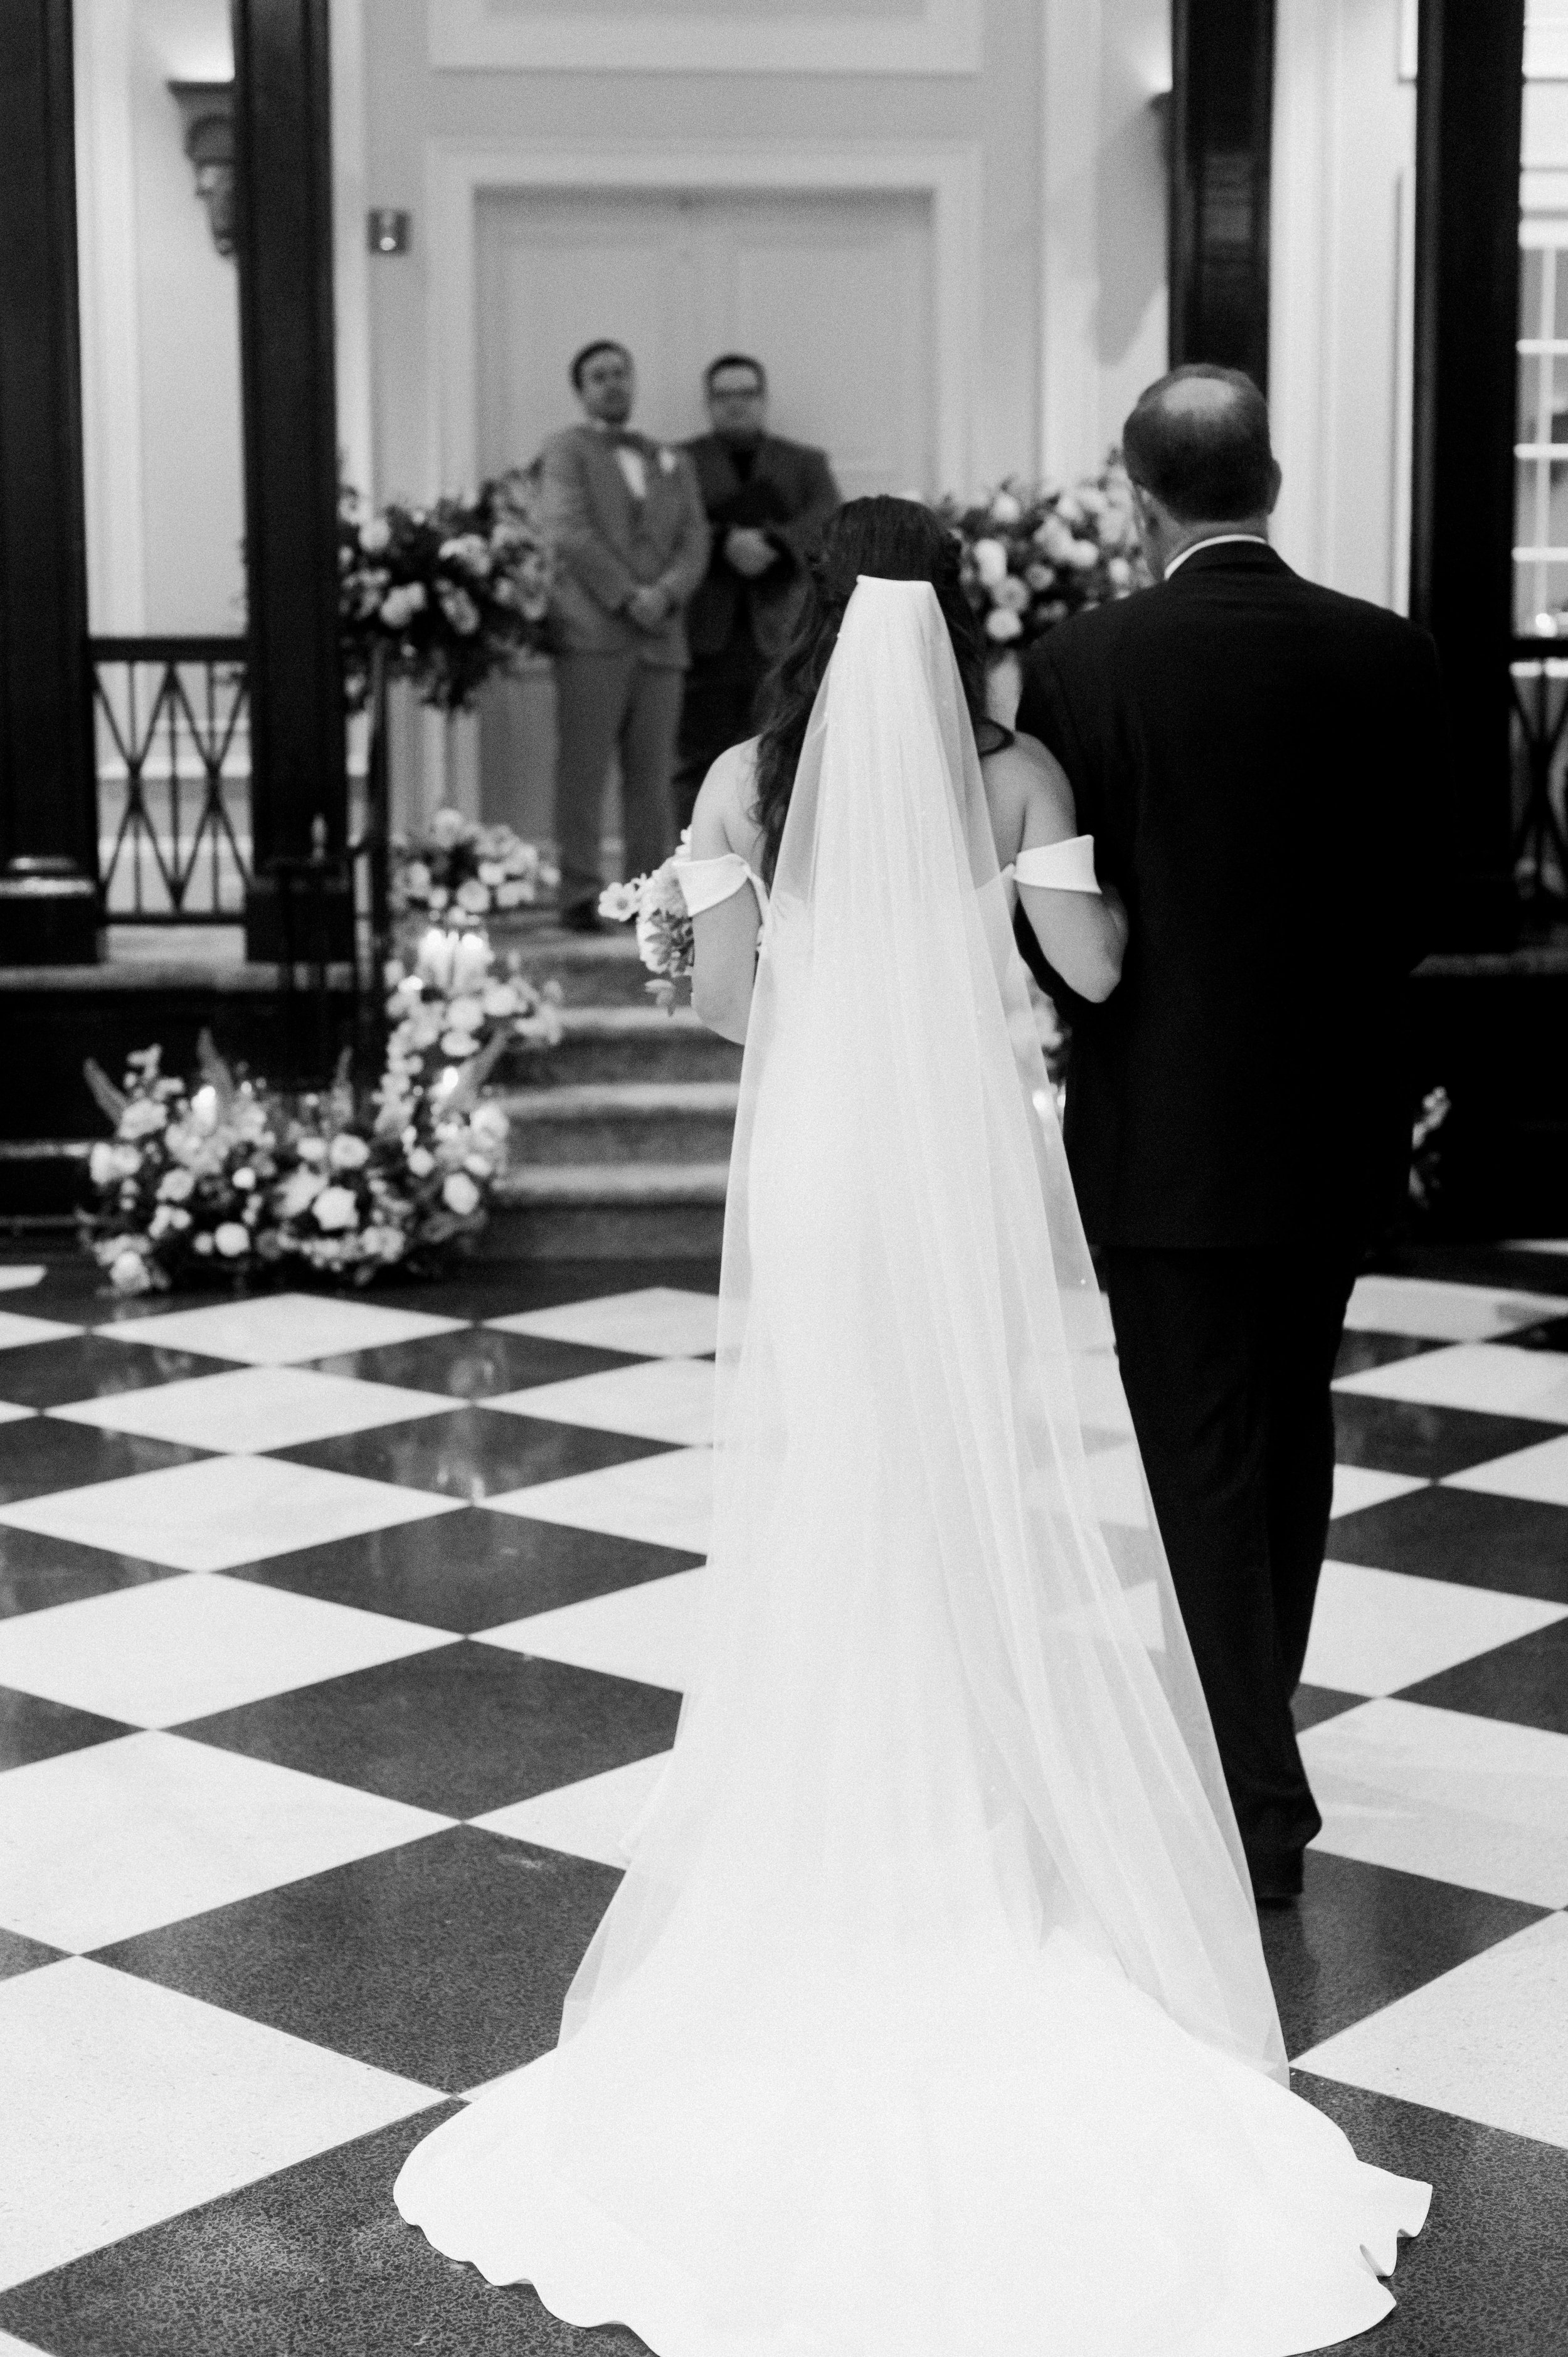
[929, 2018]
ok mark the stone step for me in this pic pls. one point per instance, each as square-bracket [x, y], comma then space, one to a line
[593, 969]
[626, 1043]
[613, 1210]
[621, 1122]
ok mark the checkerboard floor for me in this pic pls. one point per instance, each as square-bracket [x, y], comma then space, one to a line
[340, 1640]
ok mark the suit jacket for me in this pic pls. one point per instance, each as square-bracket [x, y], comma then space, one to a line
[608, 543]
[790, 495]
[1261, 764]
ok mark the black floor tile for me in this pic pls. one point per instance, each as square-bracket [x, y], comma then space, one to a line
[314, 2262]
[1357, 1352]
[461, 1730]
[1488, 2274]
[32, 1728]
[1525, 1681]
[1552, 1336]
[22, 1955]
[475, 1364]
[1310, 1705]
[1404, 1436]
[472, 1452]
[1476, 1264]
[1360, 1936]
[94, 1366]
[468, 1570]
[446, 1961]
[507, 1288]
[1510, 1545]
[41, 1455]
[36, 1571]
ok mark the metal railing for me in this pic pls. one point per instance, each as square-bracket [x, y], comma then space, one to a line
[1539, 681]
[171, 721]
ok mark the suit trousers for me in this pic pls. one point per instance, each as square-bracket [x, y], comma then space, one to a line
[1228, 1357]
[605, 704]
[719, 712]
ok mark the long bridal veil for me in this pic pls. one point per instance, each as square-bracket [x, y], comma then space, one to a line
[936, 1950]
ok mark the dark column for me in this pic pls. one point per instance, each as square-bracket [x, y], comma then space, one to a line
[283, 245]
[1222, 102]
[48, 802]
[1469, 103]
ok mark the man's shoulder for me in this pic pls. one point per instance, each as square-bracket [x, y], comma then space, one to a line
[568, 441]
[784, 452]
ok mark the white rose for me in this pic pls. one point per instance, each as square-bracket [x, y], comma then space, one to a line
[1012, 592]
[417, 881]
[299, 1193]
[473, 896]
[336, 1208]
[101, 1167]
[499, 999]
[1084, 555]
[130, 1273]
[491, 1124]
[175, 1186]
[421, 1161]
[231, 1239]
[491, 873]
[1120, 573]
[313, 1149]
[513, 896]
[142, 1118]
[1002, 624]
[349, 1152]
[244, 1179]
[1005, 509]
[448, 826]
[460, 1195]
[457, 1044]
[203, 1243]
[989, 562]
[375, 535]
[465, 1014]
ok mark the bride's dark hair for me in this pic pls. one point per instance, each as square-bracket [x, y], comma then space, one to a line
[894, 540]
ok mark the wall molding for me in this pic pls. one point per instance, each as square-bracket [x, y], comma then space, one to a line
[350, 256]
[466, 35]
[111, 322]
[458, 172]
[1071, 35]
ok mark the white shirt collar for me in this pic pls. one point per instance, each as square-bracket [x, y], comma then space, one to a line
[1215, 540]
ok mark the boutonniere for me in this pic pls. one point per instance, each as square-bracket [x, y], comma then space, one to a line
[666, 461]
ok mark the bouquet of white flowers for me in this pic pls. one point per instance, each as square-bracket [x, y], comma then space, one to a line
[664, 941]
[232, 1176]
[457, 870]
[1032, 553]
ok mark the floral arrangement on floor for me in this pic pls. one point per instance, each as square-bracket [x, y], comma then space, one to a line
[461, 872]
[231, 1176]
[453, 592]
[664, 937]
[1034, 553]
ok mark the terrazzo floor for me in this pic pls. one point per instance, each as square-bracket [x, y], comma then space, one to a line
[339, 1640]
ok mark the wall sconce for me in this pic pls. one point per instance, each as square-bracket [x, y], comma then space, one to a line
[387, 230]
[207, 113]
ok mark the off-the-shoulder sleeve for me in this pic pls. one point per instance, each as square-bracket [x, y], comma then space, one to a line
[707, 882]
[1059, 866]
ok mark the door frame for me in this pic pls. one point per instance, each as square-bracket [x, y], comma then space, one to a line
[457, 172]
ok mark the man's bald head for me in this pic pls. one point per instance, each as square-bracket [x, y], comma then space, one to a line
[1197, 441]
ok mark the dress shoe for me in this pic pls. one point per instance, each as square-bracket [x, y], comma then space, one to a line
[582, 916]
[1276, 1881]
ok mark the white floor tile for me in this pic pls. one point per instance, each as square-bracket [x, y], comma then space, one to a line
[647, 1632]
[661, 1321]
[222, 1511]
[1444, 1313]
[1375, 1631]
[102, 1844]
[254, 1408]
[16, 1331]
[1486, 1376]
[1540, 1473]
[593, 1819]
[173, 1650]
[662, 1399]
[9, 1411]
[665, 1500]
[1440, 1792]
[132, 2102]
[11, 2347]
[1357, 1487]
[16, 1274]
[1556, 1246]
[1489, 2040]
[281, 1328]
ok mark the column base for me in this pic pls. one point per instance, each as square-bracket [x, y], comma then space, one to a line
[48, 913]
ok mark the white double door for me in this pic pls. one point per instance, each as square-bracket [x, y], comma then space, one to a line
[832, 291]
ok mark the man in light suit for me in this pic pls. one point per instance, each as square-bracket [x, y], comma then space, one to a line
[625, 518]
[767, 501]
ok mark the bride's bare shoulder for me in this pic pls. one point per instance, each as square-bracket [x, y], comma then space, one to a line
[725, 813]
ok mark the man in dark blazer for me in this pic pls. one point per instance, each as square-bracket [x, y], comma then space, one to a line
[625, 519]
[1260, 763]
[767, 501]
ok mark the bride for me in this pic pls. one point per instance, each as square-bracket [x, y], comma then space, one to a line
[929, 2018]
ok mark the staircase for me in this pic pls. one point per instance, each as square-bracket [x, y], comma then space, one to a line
[621, 1136]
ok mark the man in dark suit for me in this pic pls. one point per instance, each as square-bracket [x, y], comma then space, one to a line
[766, 499]
[625, 519]
[1260, 763]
